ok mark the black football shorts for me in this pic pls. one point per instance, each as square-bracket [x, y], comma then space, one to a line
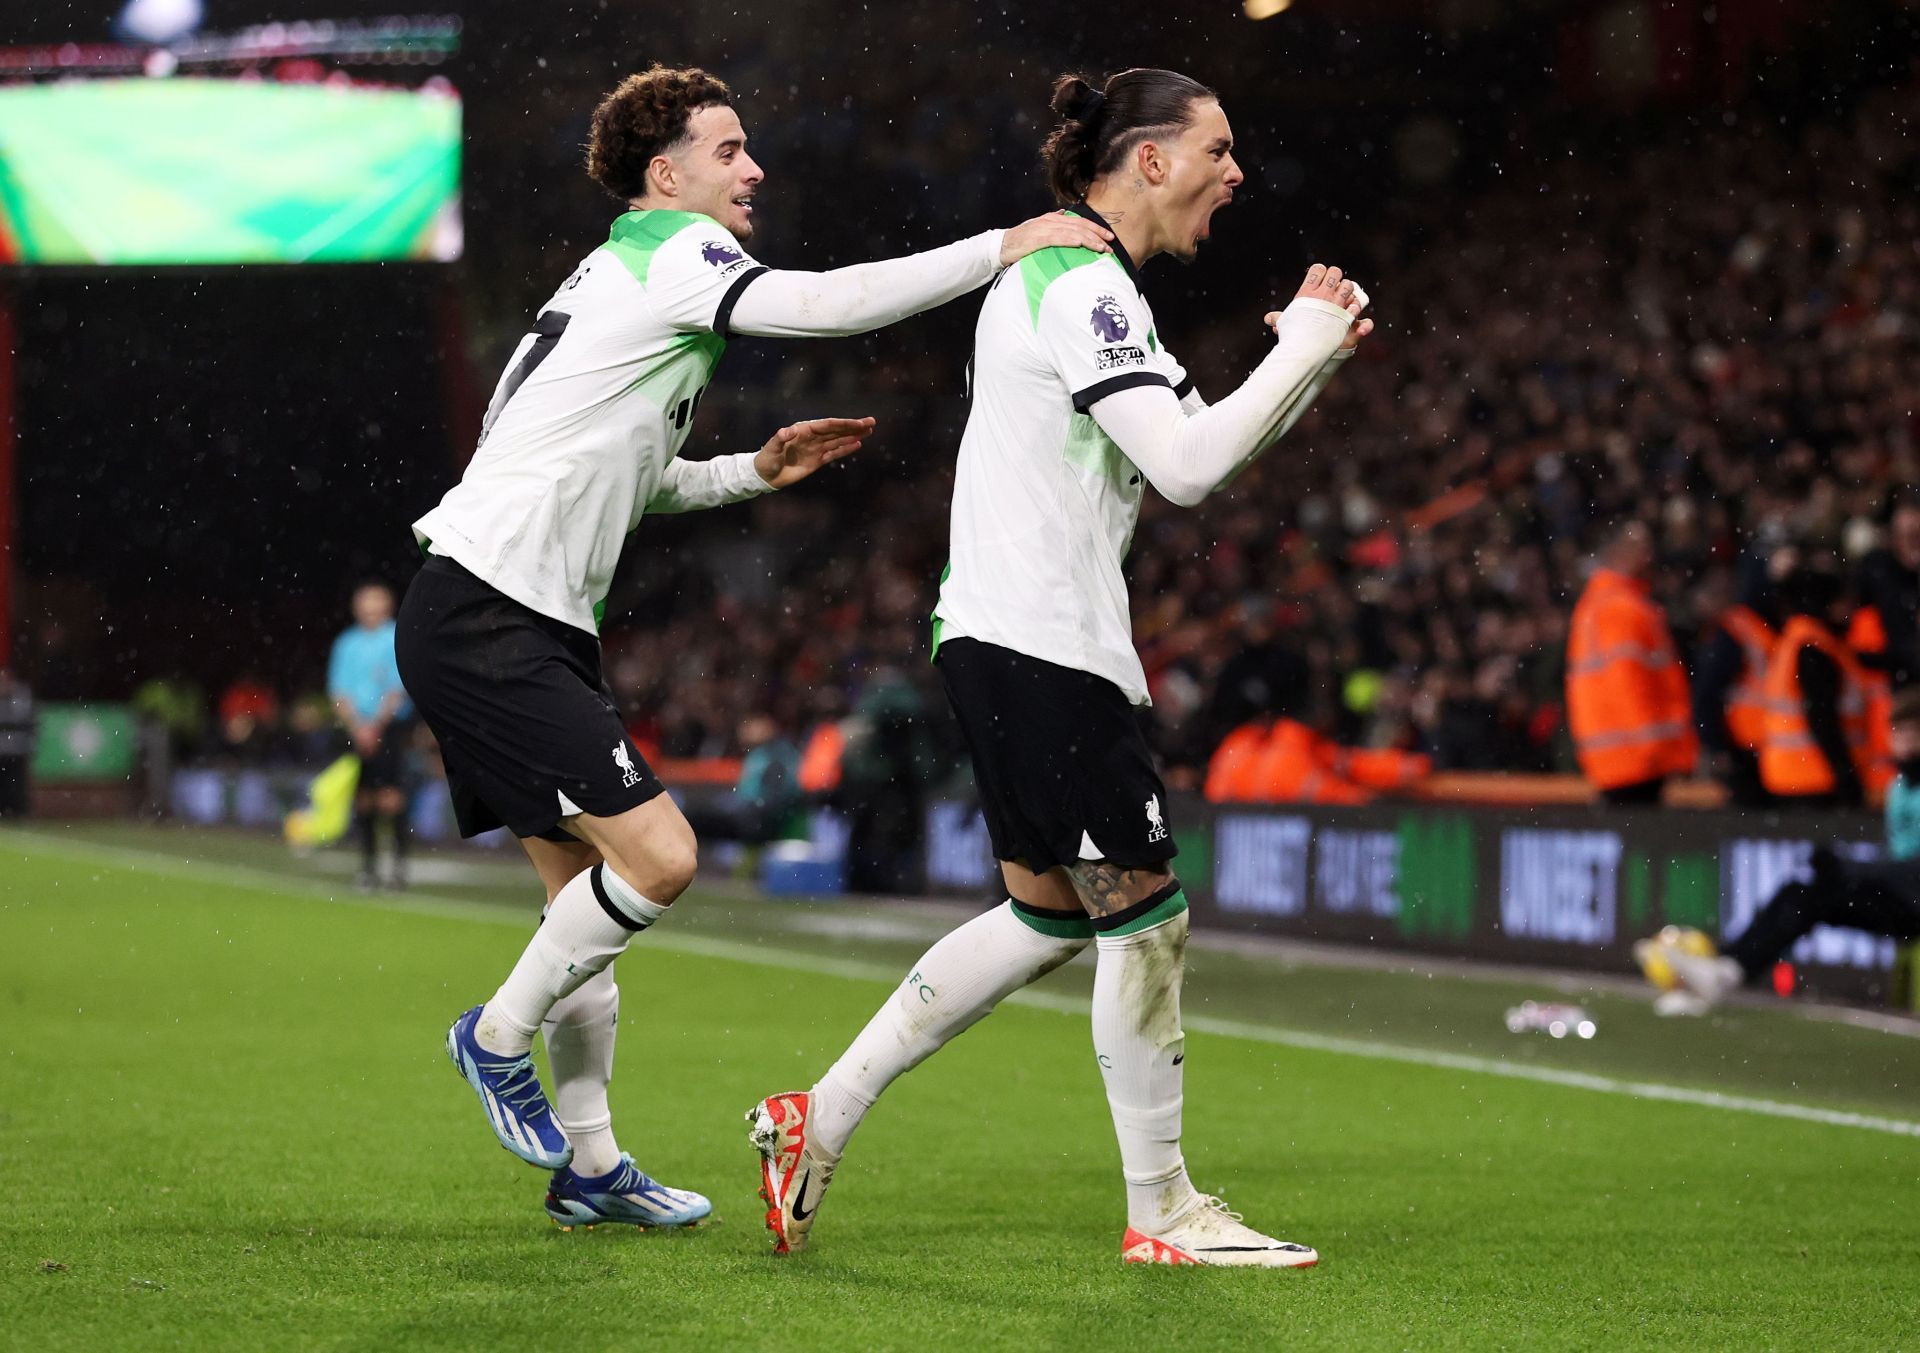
[1059, 758]
[526, 723]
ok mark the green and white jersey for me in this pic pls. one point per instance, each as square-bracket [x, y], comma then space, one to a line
[595, 404]
[1044, 502]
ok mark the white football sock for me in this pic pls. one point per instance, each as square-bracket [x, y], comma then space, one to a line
[952, 988]
[587, 924]
[580, 1030]
[1140, 1046]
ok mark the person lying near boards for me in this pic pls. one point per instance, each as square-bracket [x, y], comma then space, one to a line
[1881, 897]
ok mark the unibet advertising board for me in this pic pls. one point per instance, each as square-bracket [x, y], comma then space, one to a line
[1567, 887]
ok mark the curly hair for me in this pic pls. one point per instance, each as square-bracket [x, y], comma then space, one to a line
[1098, 128]
[644, 116]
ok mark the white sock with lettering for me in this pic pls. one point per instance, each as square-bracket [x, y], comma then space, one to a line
[1140, 1046]
[580, 1031]
[953, 987]
[587, 924]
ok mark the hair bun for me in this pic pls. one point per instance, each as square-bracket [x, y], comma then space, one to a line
[1084, 104]
[1075, 99]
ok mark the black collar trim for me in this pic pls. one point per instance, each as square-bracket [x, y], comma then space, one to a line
[1081, 208]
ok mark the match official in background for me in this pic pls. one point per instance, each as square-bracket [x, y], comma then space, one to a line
[363, 681]
[1628, 707]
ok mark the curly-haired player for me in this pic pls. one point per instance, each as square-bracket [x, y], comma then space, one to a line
[498, 637]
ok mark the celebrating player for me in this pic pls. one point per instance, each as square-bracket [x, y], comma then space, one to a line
[498, 636]
[1077, 405]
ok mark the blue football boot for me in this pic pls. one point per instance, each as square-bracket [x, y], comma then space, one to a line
[624, 1194]
[517, 1108]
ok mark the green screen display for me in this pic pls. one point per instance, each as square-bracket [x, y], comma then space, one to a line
[206, 171]
[80, 743]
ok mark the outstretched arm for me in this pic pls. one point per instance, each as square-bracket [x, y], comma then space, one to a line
[789, 456]
[775, 303]
[1188, 453]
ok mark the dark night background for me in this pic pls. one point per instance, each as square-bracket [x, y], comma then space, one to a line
[210, 458]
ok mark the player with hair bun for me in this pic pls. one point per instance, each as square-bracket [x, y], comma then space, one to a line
[498, 639]
[1077, 407]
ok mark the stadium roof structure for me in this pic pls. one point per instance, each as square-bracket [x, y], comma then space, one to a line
[399, 41]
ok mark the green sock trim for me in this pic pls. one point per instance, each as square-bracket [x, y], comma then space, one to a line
[1055, 925]
[1157, 915]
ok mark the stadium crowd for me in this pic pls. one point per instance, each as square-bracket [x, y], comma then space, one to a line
[1731, 366]
[1710, 327]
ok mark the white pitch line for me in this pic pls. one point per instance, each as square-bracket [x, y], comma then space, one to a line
[1310, 1042]
[855, 970]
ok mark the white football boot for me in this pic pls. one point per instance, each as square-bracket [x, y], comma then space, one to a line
[1207, 1233]
[793, 1174]
[1711, 980]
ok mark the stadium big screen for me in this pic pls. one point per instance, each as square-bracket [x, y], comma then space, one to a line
[301, 143]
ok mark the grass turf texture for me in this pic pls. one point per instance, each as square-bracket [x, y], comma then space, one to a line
[226, 1120]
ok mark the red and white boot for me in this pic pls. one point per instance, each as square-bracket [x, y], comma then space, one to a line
[1207, 1233]
[793, 1176]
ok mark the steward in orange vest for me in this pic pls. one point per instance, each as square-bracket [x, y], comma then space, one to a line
[1627, 700]
[1746, 707]
[821, 761]
[1817, 748]
[1729, 679]
[1867, 637]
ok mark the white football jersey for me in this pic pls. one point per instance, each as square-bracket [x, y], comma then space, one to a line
[595, 403]
[1044, 503]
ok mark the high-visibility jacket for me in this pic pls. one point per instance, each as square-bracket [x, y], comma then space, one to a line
[1382, 767]
[1290, 763]
[1746, 709]
[1868, 634]
[1232, 768]
[1791, 762]
[820, 762]
[1627, 702]
[1297, 766]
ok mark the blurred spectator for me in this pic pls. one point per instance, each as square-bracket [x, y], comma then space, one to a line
[1816, 751]
[1731, 655]
[249, 718]
[1890, 588]
[1289, 762]
[178, 708]
[313, 737]
[363, 681]
[767, 801]
[891, 759]
[1627, 701]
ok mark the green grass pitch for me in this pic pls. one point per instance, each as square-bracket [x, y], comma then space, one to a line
[226, 1121]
